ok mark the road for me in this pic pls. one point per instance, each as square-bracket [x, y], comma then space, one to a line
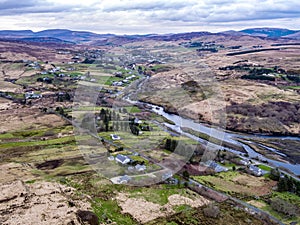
[251, 209]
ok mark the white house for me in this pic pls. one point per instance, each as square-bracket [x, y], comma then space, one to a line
[123, 159]
[115, 137]
[140, 168]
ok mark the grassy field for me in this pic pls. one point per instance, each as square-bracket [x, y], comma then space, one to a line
[265, 168]
[287, 197]
[237, 183]
[159, 194]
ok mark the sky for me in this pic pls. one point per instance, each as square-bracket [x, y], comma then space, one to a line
[147, 17]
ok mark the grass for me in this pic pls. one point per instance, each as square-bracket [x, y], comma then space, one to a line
[228, 165]
[291, 87]
[132, 109]
[289, 197]
[236, 183]
[63, 140]
[264, 167]
[146, 141]
[70, 169]
[108, 210]
[279, 216]
[159, 194]
[75, 74]
[139, 159]
[35, 133]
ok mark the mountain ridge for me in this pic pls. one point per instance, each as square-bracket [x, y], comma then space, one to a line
[86, 37]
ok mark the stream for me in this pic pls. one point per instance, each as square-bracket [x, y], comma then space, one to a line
[220, 134]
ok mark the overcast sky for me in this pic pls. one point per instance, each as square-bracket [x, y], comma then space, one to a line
[148, 16]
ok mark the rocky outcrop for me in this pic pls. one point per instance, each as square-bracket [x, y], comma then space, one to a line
[43, 203]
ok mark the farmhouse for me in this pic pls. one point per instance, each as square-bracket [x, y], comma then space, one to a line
[123, 159]
[140, 168]
[255, 170]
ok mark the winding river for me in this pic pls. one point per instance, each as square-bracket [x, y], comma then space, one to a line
[220, 134]
[226, 136]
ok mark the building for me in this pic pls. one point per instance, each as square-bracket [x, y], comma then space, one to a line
[167, 175]
[32, 95]
[255, 170]
[245, 162]
[124, 179]
[115, 137]
[123, 159]
[111, 158]
[137, 121]
[140, 168]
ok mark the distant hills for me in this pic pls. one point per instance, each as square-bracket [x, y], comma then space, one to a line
[53, 35]
[269, 32]
[65, 36]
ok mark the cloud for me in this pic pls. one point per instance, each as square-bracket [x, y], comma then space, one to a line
[128, 5]
[13, 4]
[16, 7]
[148, 16]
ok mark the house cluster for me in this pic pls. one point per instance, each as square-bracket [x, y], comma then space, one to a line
[126, 160]
[54, 70]
[252, 169]
[123, 82]
[245, 162]
[255, 170]
[138, 167]
[35, 65]
[32, 95]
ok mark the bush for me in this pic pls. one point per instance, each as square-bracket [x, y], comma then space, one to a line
[284, 207]
[212, 211]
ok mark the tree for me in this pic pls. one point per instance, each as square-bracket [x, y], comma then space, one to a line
[106, 127]
[282, 184]
[121, 126]
[168, 144]
[117, 126]
[114, 115]
[284, 207]
[67, 96]
[173, 146]
[186, 174]
[102, 113]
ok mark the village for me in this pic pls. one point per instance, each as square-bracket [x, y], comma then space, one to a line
[52, 78]
[136, 145]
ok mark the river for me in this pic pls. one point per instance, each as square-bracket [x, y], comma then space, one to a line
[218, 133]
[224, 135]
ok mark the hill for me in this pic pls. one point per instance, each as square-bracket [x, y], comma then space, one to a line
[294, 35]
[84, 37]
[269, 32]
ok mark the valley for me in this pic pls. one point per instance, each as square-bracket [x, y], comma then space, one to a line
[185, 128]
